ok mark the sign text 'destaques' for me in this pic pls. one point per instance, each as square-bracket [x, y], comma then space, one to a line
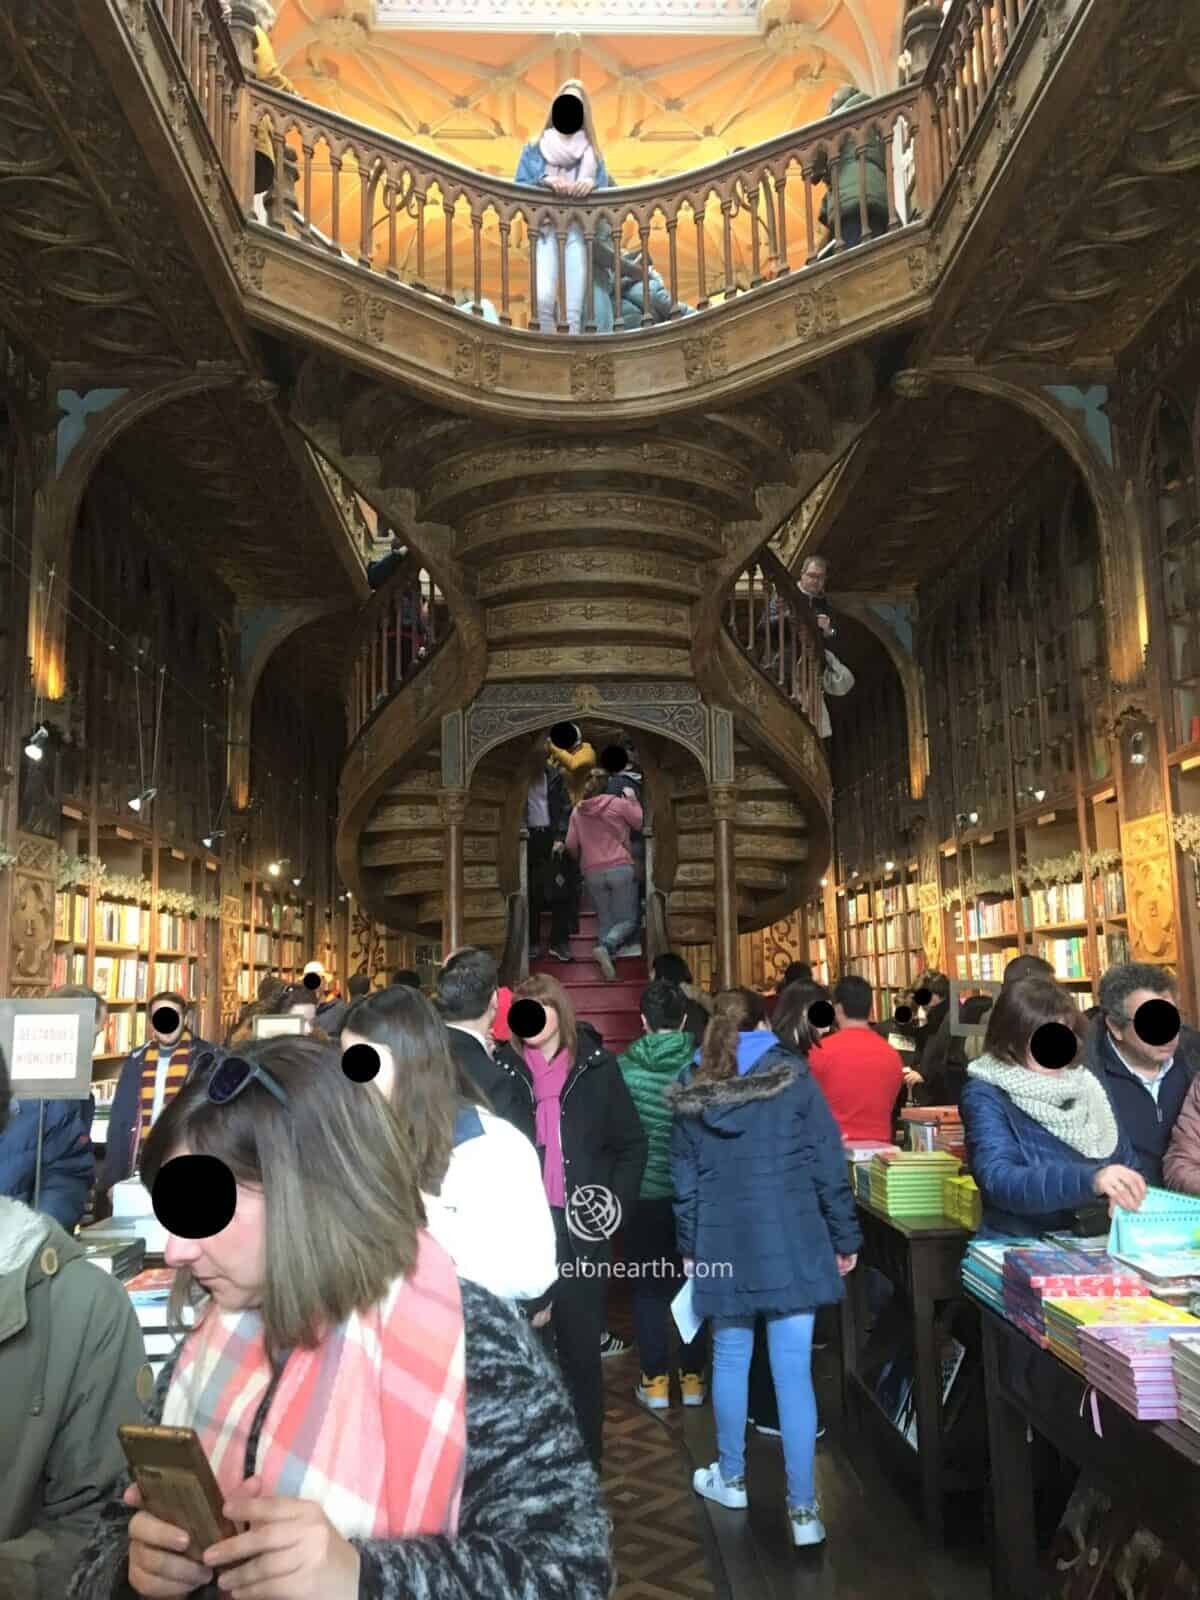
[44, 1046]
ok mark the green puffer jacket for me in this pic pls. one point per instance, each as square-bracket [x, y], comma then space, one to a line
[650, 1065]
[72, 1367]
[846, 169]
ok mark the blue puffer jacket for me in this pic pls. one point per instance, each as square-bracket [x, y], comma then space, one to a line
[762, 1196]
[67, 1162]
[1031, 1182]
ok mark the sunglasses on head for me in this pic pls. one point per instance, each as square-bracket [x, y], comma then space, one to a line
[231, 1074]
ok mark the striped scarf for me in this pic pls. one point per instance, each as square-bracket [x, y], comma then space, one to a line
[398, 1370]
[177, 1071]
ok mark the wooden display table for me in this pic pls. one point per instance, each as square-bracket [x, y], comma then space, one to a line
[1029, 1389]
[921, 1257]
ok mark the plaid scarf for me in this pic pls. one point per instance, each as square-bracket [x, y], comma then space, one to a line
[177, 1071]
[396, 1371]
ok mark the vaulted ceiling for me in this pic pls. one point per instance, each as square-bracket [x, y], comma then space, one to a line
[664, 102]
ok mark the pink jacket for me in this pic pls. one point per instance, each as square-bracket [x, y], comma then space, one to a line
[599, 831]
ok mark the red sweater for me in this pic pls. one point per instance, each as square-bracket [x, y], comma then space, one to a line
[860, 1075]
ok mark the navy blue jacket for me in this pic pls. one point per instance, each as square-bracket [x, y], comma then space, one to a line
[1148, 1126]
[67, 1163]
[120, 1148]
[1030, 1181]
[761, 1183]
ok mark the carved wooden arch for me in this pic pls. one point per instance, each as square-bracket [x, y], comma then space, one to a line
[1116, 515]
[244, 685]
[510, 711]
[909, 671]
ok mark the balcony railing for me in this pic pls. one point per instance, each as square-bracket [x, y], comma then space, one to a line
[647, 253]
[400, 630]
[773, 625]
[685, 243]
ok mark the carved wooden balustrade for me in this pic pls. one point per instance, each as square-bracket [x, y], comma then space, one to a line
[976, 37]
[358, 529]
[400, 630]
[211, 68]
[775, 627]
[711, 234]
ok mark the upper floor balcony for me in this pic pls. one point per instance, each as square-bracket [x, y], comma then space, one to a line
[386, 229]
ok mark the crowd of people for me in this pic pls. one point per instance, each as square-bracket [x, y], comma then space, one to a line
[407, 1248]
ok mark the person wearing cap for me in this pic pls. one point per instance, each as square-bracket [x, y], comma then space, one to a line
[151, 1077]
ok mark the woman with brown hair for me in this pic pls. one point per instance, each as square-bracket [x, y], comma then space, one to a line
[479, 1177]
[593, 1151]
[1042, 1138]
[766, 1225]
[382, 1427]
[791, 1021]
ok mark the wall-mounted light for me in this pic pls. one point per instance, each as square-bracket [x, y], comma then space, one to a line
[1137, 750]
[889, 866]
[824, 883]
[35, 748]
[1038, 794]
[210, 839]
[140, 801]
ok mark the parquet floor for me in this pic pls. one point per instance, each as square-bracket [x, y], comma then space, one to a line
[661, 1532]
[670, 1545]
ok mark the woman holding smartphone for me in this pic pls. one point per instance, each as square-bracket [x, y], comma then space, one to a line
[377, 1425]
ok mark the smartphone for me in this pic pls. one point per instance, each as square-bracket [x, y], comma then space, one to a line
[177, 1482]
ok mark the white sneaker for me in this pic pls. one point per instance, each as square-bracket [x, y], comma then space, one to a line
[709, 1482]
[807, 1527]
[603, 959]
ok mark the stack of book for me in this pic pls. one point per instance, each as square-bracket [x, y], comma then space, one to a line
[962, 1201]
[908, 1183]
[1065, 1317]
[1133, 1367]
[983, 1272]
[1032, 1276]
[1185, 1365]
[119, 1254]
[935, 1128]
[150, 1292]
[1171, 1275]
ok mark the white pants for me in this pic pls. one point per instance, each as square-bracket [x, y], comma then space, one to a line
[547, 277]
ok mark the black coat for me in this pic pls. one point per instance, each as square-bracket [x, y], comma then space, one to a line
[762, 1193]
[503, 1093]
[1148, 1126]
[603, 1141]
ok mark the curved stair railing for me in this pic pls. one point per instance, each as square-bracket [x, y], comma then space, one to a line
[464, 237]
[774, 627]
[400, 630]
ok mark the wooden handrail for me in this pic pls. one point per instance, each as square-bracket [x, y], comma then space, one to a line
[976, 38]
[463, 237]
[773, 626]
[397, 634]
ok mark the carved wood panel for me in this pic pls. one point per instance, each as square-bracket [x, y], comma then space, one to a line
[1146, 850]
[31, 932]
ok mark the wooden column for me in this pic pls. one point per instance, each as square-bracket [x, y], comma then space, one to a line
[722, 799]
[454, 817]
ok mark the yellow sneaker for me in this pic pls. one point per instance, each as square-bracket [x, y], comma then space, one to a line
[654, 1393]
[691, 1385]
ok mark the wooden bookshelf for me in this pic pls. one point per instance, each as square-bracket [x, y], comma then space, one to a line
[879, 933]
[277, 934]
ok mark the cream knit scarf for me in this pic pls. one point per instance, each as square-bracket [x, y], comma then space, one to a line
[1072, 1105]
[569, 155]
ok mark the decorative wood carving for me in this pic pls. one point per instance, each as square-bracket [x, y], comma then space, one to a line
[1146, 849]
[31, 933]
[231, 954]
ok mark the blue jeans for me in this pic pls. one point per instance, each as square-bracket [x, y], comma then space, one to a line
[615, 896]
[789, 1340]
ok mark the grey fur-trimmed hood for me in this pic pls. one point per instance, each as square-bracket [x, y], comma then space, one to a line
[694, 1099]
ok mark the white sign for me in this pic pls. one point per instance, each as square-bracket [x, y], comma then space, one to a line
[44, 1046]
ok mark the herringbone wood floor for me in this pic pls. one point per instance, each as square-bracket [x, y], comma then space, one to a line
[660, 1546]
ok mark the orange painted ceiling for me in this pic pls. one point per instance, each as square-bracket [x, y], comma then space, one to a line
[664, 103]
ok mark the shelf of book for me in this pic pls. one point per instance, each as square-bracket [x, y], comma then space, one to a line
[879, 933]
[112, 933]
[276, 935]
